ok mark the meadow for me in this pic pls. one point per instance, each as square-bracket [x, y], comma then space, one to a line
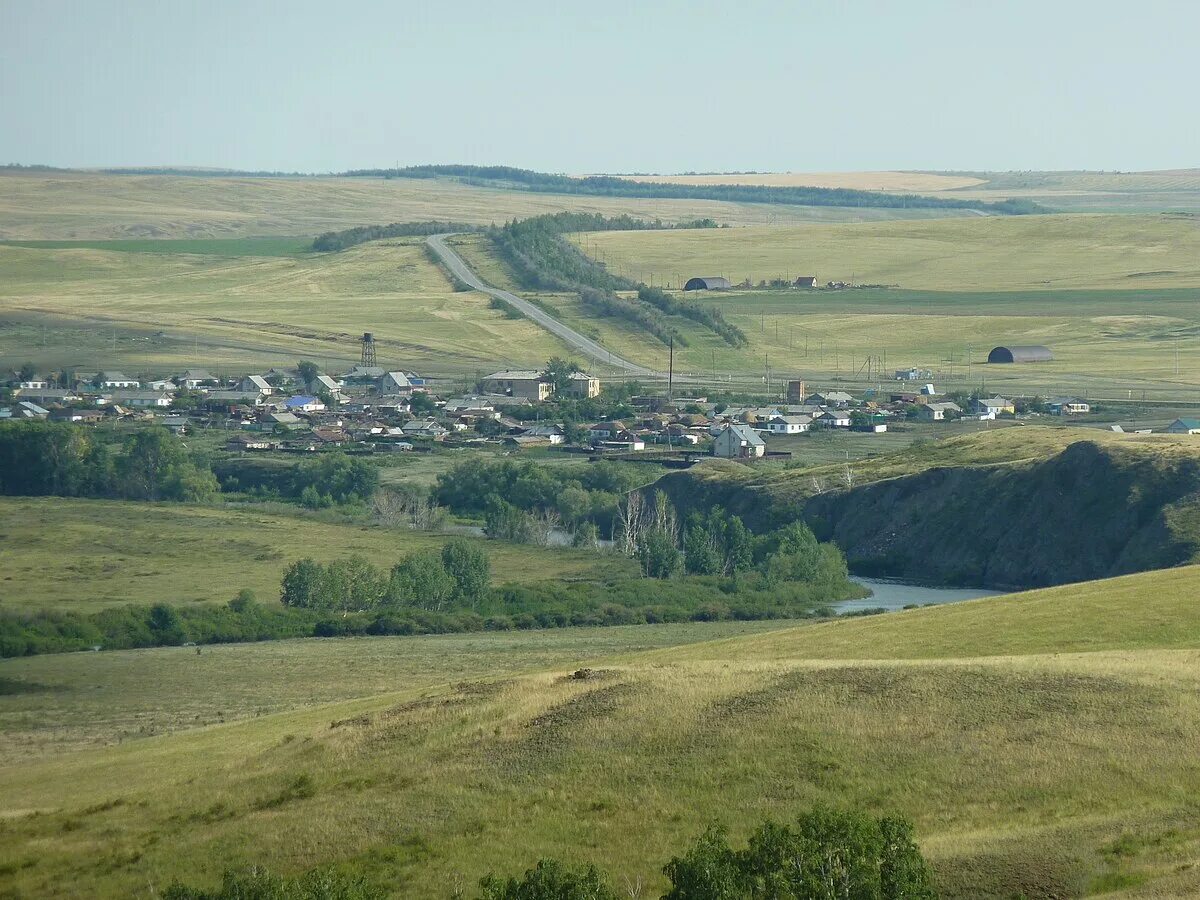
[95, 206]
[152, 311]
[1042, 743]
[994, 253]
[1114, 297]
[85, 555]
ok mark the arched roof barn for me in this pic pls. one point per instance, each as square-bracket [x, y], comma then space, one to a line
[1020, 354]
[707, 283]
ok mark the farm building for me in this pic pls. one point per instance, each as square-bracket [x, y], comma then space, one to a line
[738, 442]
[806, 281]
[1184, 426]
[707, 283]
[1022, 354]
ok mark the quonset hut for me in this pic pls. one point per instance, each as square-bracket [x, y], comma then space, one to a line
[712, 283]
[1022, 354]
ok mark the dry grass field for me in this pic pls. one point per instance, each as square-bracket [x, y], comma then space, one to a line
[1042, 743]
[898, 182]
[995, 253]
[146, 310]
[89, 206]
[1113, 296]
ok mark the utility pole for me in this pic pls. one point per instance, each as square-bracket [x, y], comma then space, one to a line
[671, 372]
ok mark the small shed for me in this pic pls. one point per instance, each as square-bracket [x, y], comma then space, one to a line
[707, 283]
[1020, 354]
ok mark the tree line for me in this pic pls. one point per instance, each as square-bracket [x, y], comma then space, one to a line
[610, 186]
[63, 460]
[825, 854]
[543, 259]
[332, 241]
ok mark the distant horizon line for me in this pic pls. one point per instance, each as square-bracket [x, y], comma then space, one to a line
[218, 171]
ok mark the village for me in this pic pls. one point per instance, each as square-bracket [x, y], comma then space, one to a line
[372, 408]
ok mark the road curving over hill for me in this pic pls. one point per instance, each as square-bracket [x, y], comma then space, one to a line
[460, 270]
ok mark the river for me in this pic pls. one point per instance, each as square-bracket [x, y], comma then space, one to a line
[893, 595]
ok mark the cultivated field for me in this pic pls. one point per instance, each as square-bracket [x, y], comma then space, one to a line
[1043, 744]
[88, 554]
[993, 253]
[86, 206]
[897, 182]
[245, 305]
[1113, 296]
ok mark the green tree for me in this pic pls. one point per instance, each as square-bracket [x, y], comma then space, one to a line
[700, 554]
[420, 403]
[558, 372]
[826, 855]
[308, 371]
[301, 585]
[710, 870]
[354, 583]
[28, 371]
[154, 466]
[421, 579]
[504, 522]
[550, 880]
[165, 624]
[468, 565]
[658, 554]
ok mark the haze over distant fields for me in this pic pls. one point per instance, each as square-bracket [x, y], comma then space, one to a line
[576, 87]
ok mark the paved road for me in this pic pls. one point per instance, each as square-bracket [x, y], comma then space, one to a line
[583, 344]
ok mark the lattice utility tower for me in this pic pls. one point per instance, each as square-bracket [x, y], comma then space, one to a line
[368, 348]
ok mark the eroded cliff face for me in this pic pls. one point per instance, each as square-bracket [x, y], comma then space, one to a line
[1087, 512]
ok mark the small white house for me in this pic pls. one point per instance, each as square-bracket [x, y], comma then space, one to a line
[153, 399]
[738, 442]
[787, 424]
[119, 380]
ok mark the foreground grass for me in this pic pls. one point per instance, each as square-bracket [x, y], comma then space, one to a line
[1029, 768]
[58, 703]
[88, 554]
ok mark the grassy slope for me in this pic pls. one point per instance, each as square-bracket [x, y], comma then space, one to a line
[1051, 773]
[1114, 296]
[55, 704]
[88, 554]
[250, 311]
[79, 206]
[976, 254]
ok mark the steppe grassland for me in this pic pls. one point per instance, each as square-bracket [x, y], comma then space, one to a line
[914, 182]
[992, 253]
[54, 704]
[1043, 773]
[90, 206]
[252, 311]
[89, 554]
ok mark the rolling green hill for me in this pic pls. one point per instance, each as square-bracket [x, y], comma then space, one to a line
[1022, 507]
[1028, 766]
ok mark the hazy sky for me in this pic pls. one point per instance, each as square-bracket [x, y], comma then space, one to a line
[602, 86]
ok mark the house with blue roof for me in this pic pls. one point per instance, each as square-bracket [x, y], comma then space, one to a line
[303, 403]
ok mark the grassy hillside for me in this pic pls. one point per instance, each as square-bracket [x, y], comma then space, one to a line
[87, 554]
[90, 206]
[1044, 774]
[56, 704]
[1113, 296]
[891, 182]
[976, 254]
[91, 307]
[1014, 507]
